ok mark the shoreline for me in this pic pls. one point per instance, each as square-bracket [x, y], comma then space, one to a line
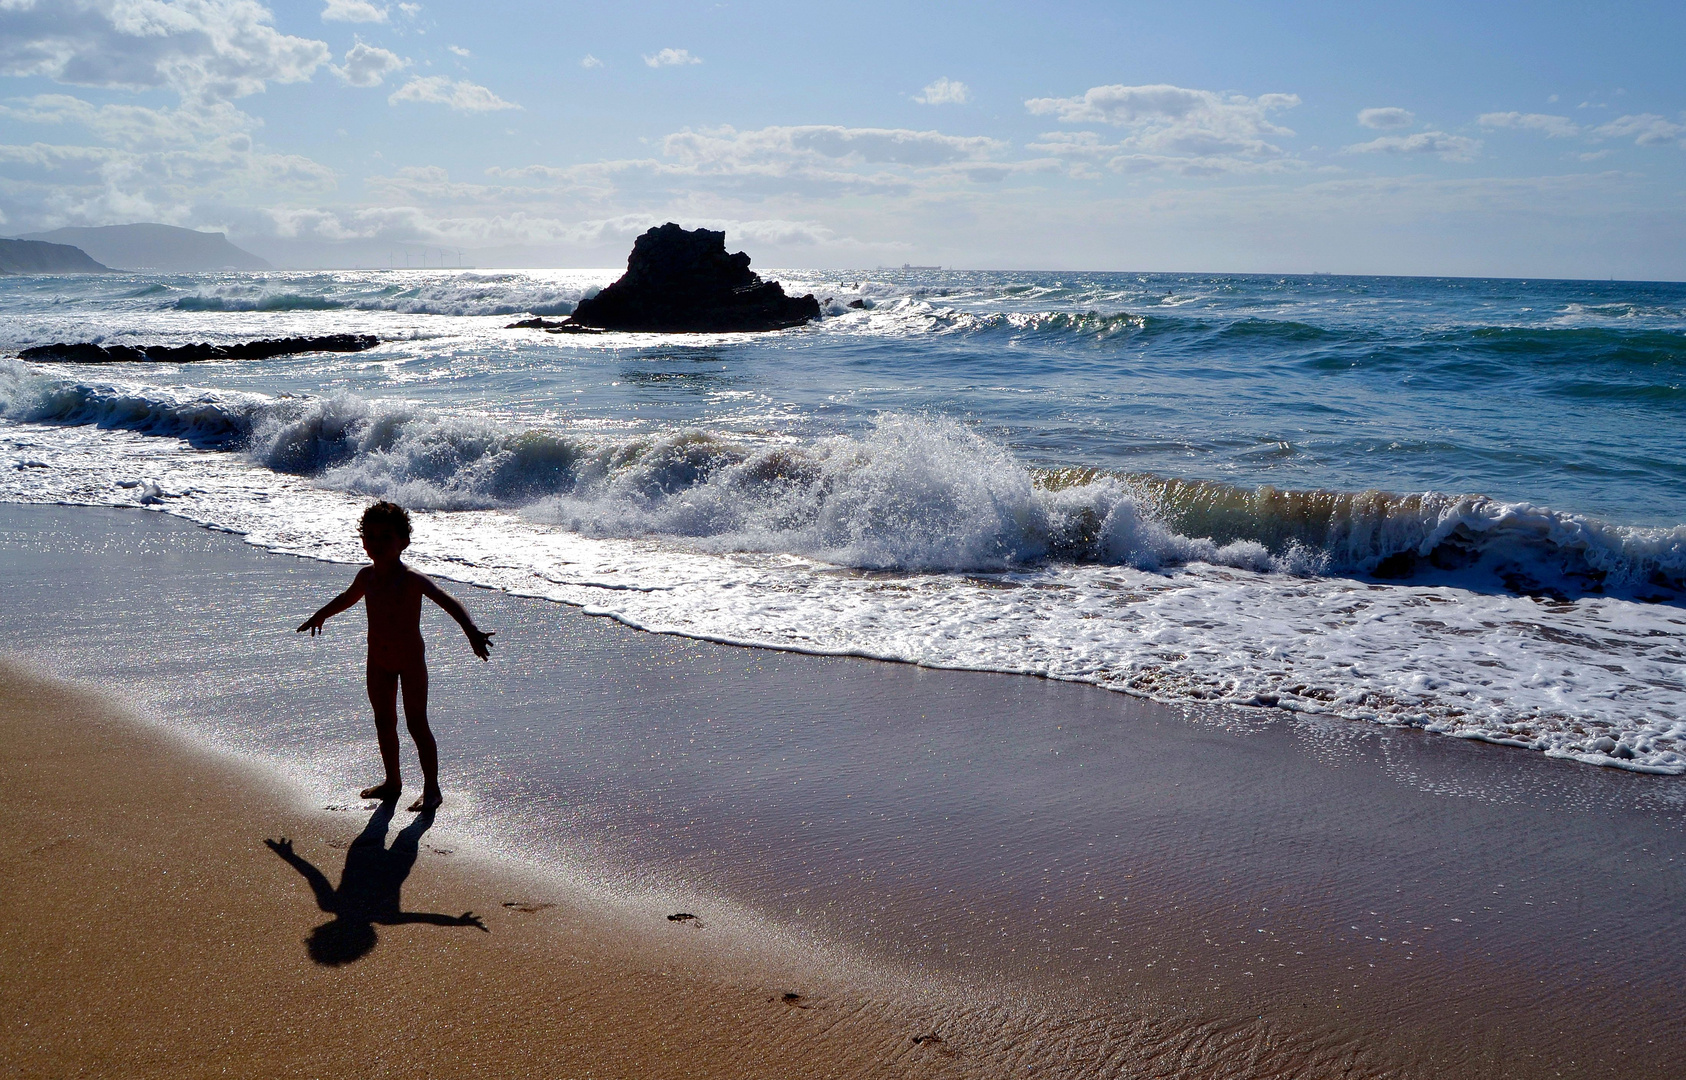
[1592, 679]
[966, 893]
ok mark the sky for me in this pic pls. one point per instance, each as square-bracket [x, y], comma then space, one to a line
[1537, 140]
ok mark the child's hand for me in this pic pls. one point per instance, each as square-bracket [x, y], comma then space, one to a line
[480, 641]
[313, 624]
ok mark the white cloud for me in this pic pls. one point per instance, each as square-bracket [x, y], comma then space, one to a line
[1553, 127]
[353, 11]
[366, 65]
[1170, 124]
[802, 162]
[439, 90]
[1447, 147]
[204, 50]
[176, 164]
[431, 182]
[672, 58]
[458, 50]
[832, 145]
[1390, 117]
[944, 91]
[400, 224]
[1136, 105]
[72, 162]
[589, 61]
[1075, 149]
[1646, 129]
[88, 185]
[131, 126]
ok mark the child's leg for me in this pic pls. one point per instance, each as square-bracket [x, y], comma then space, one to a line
[415, 717]
[383, 699]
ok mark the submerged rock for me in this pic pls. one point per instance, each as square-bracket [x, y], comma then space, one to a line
[563, 327]
[89, 353]
[683, 281]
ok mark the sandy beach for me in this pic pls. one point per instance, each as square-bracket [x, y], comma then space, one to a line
[893, 542]
[897, 872]
[153, 933]
[158, 935]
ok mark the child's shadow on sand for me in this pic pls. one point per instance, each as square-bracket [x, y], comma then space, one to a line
[368, 891]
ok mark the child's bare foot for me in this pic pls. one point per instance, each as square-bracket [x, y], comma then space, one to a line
[432, 799]
[385, 791]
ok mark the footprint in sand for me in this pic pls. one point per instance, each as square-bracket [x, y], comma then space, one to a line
[935, 1041]
[52, 844]
[525, 905]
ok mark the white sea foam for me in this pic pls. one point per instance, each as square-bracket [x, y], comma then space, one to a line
[456, 294]
[917, 541]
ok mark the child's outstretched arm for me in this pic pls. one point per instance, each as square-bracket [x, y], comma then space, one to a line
[478, 640]
[335, 606]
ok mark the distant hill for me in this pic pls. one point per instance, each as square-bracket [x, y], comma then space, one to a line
[156, 247]
[36, 257]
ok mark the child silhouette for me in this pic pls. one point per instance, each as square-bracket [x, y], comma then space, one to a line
[392, 594]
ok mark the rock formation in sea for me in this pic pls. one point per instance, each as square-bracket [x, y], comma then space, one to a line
[89, 353]
[549, 327]
[38, 257]
[683, 281]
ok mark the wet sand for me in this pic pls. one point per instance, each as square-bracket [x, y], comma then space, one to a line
[1044, 876]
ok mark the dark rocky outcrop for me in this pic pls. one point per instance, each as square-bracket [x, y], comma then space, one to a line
[683, 281]
[563, 327]
[38, 257]
[89, 353]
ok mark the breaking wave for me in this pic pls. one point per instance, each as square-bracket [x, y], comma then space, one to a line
[493, 294]
[912, 493]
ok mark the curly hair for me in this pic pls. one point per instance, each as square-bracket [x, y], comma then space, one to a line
[386, 515]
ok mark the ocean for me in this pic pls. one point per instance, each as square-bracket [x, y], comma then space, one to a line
[1447, 504]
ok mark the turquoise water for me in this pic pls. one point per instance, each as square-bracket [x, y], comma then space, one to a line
[1450, 503]
[1566, 394]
